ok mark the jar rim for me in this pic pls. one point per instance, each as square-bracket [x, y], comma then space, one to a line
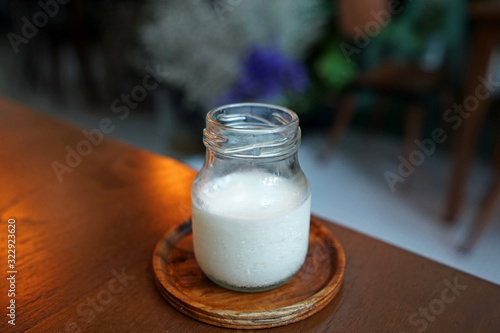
[253, 130]
[294, 119]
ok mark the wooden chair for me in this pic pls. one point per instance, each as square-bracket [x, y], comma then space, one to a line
[484, 215]
[485, 38]
[488, 206]
[403, 80]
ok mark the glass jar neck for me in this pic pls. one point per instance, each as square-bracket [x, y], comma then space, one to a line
[252, 130]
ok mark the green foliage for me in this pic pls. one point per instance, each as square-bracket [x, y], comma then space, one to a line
[333, 69]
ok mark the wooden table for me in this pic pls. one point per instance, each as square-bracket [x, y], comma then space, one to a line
[84, 247]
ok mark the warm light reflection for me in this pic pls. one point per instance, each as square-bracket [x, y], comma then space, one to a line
[107, 214]
[166, 192]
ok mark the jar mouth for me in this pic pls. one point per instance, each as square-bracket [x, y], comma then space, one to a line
[252, 117]
[252, 130]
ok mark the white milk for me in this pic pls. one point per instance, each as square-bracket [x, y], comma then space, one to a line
[252, 230]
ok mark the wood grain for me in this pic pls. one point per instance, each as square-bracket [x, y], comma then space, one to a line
[187, 289]
[107, 216]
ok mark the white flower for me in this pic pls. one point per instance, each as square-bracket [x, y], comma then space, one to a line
[202, 43]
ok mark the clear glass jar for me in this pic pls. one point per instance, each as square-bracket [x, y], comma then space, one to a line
[251, 202]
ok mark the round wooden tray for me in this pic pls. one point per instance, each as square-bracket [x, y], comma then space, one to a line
[187, 289]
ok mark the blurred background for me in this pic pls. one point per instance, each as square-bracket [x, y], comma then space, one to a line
[396, 99]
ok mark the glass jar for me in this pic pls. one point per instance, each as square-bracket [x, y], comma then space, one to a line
[251, 202]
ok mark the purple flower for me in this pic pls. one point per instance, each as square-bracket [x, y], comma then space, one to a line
[266, 73]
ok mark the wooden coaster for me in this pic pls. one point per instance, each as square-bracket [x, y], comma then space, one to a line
[187, 289]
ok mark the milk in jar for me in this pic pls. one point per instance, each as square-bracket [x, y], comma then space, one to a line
[253, 231]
